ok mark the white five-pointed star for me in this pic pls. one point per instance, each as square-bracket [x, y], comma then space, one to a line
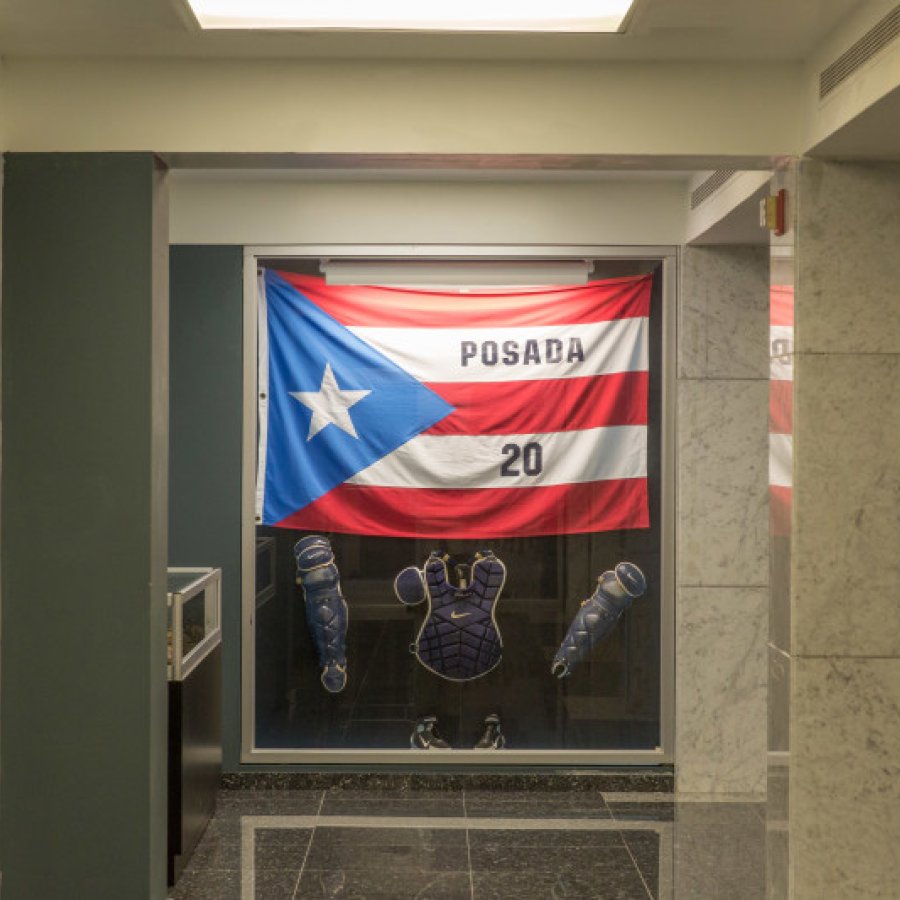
[330, 405]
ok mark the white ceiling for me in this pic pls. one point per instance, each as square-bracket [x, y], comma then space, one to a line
[661, 29]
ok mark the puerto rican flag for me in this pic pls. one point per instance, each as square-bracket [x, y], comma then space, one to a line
[445, 414]
[781, 407]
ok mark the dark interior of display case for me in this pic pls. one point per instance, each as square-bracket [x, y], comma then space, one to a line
[610, 702]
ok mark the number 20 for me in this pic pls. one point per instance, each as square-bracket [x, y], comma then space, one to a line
[532, 459]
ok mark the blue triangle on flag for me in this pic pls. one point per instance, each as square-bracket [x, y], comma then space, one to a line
[306, 459]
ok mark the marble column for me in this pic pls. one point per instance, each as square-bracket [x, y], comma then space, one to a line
[844, 711]
[722, 550]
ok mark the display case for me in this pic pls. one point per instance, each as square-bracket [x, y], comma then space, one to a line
[195, 707]
[463, 491]
[195, 601]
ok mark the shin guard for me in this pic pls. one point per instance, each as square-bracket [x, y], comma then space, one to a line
[598, 616]
[326, 610]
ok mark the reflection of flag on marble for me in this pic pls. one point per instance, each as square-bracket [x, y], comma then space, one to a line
[449, 414]
[781, 406]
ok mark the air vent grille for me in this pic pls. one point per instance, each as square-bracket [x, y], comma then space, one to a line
[861, 52]
[703, 191]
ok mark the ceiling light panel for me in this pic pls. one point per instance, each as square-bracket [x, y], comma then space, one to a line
[414, 15]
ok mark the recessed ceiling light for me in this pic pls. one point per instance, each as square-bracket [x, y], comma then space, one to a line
[414, 15]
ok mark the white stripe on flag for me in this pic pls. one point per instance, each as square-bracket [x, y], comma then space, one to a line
[781, 457]
[530, 460]
[439, 355]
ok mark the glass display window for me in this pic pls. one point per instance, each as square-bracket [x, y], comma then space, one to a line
[459, 520]
[194, 599]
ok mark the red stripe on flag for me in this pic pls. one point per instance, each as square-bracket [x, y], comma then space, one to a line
[534, 407]
[384, 307]
[477, 514]
[781, 407]
[781, 304]
[780, 499]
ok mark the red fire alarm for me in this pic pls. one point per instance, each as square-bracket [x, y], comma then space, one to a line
[773, 213]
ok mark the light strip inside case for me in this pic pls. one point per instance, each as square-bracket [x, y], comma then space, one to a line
[406, 15]
[456, 272]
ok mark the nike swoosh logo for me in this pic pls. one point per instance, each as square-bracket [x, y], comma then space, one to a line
[456, 615]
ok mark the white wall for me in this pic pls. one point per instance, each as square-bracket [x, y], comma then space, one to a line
[873, 81]
[622, 108]
[207, 209]
[721, 218]
[404, 107]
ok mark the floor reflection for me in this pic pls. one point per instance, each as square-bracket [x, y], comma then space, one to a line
[340, 843]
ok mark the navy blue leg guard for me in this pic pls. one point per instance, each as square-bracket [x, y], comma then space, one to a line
[598, 616]
[326, 609]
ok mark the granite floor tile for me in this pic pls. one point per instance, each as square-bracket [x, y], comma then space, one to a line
[208, 884]
[730, 814]
[450, 805]
[712, 850]
[645, 850]
[638, 797]
[396, 885]
[275, 884]
[642, 812]
[613, 885]
[654, 778]
[498, 840]
[387, 857]
[223, 827]
[280, 848]
[354, 836]
[608, 853]
[217, 851]
[387, 793]
[538, 807]
[575, 798]
[389, 849]
[268, 803]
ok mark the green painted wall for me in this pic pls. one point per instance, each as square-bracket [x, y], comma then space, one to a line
[206, 403]
[84, 382]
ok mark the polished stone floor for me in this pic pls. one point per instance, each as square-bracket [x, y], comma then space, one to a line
[444, 845]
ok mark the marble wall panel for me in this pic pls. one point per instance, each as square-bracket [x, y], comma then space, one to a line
[845, 778]
[845, 567]
[724, 313]
[719, 851]
[780, 590]
[779, 700]
[848, 267]
[722, 533]
[778, 772]
[720, 734]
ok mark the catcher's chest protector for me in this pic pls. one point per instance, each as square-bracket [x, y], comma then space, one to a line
[459, 639]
